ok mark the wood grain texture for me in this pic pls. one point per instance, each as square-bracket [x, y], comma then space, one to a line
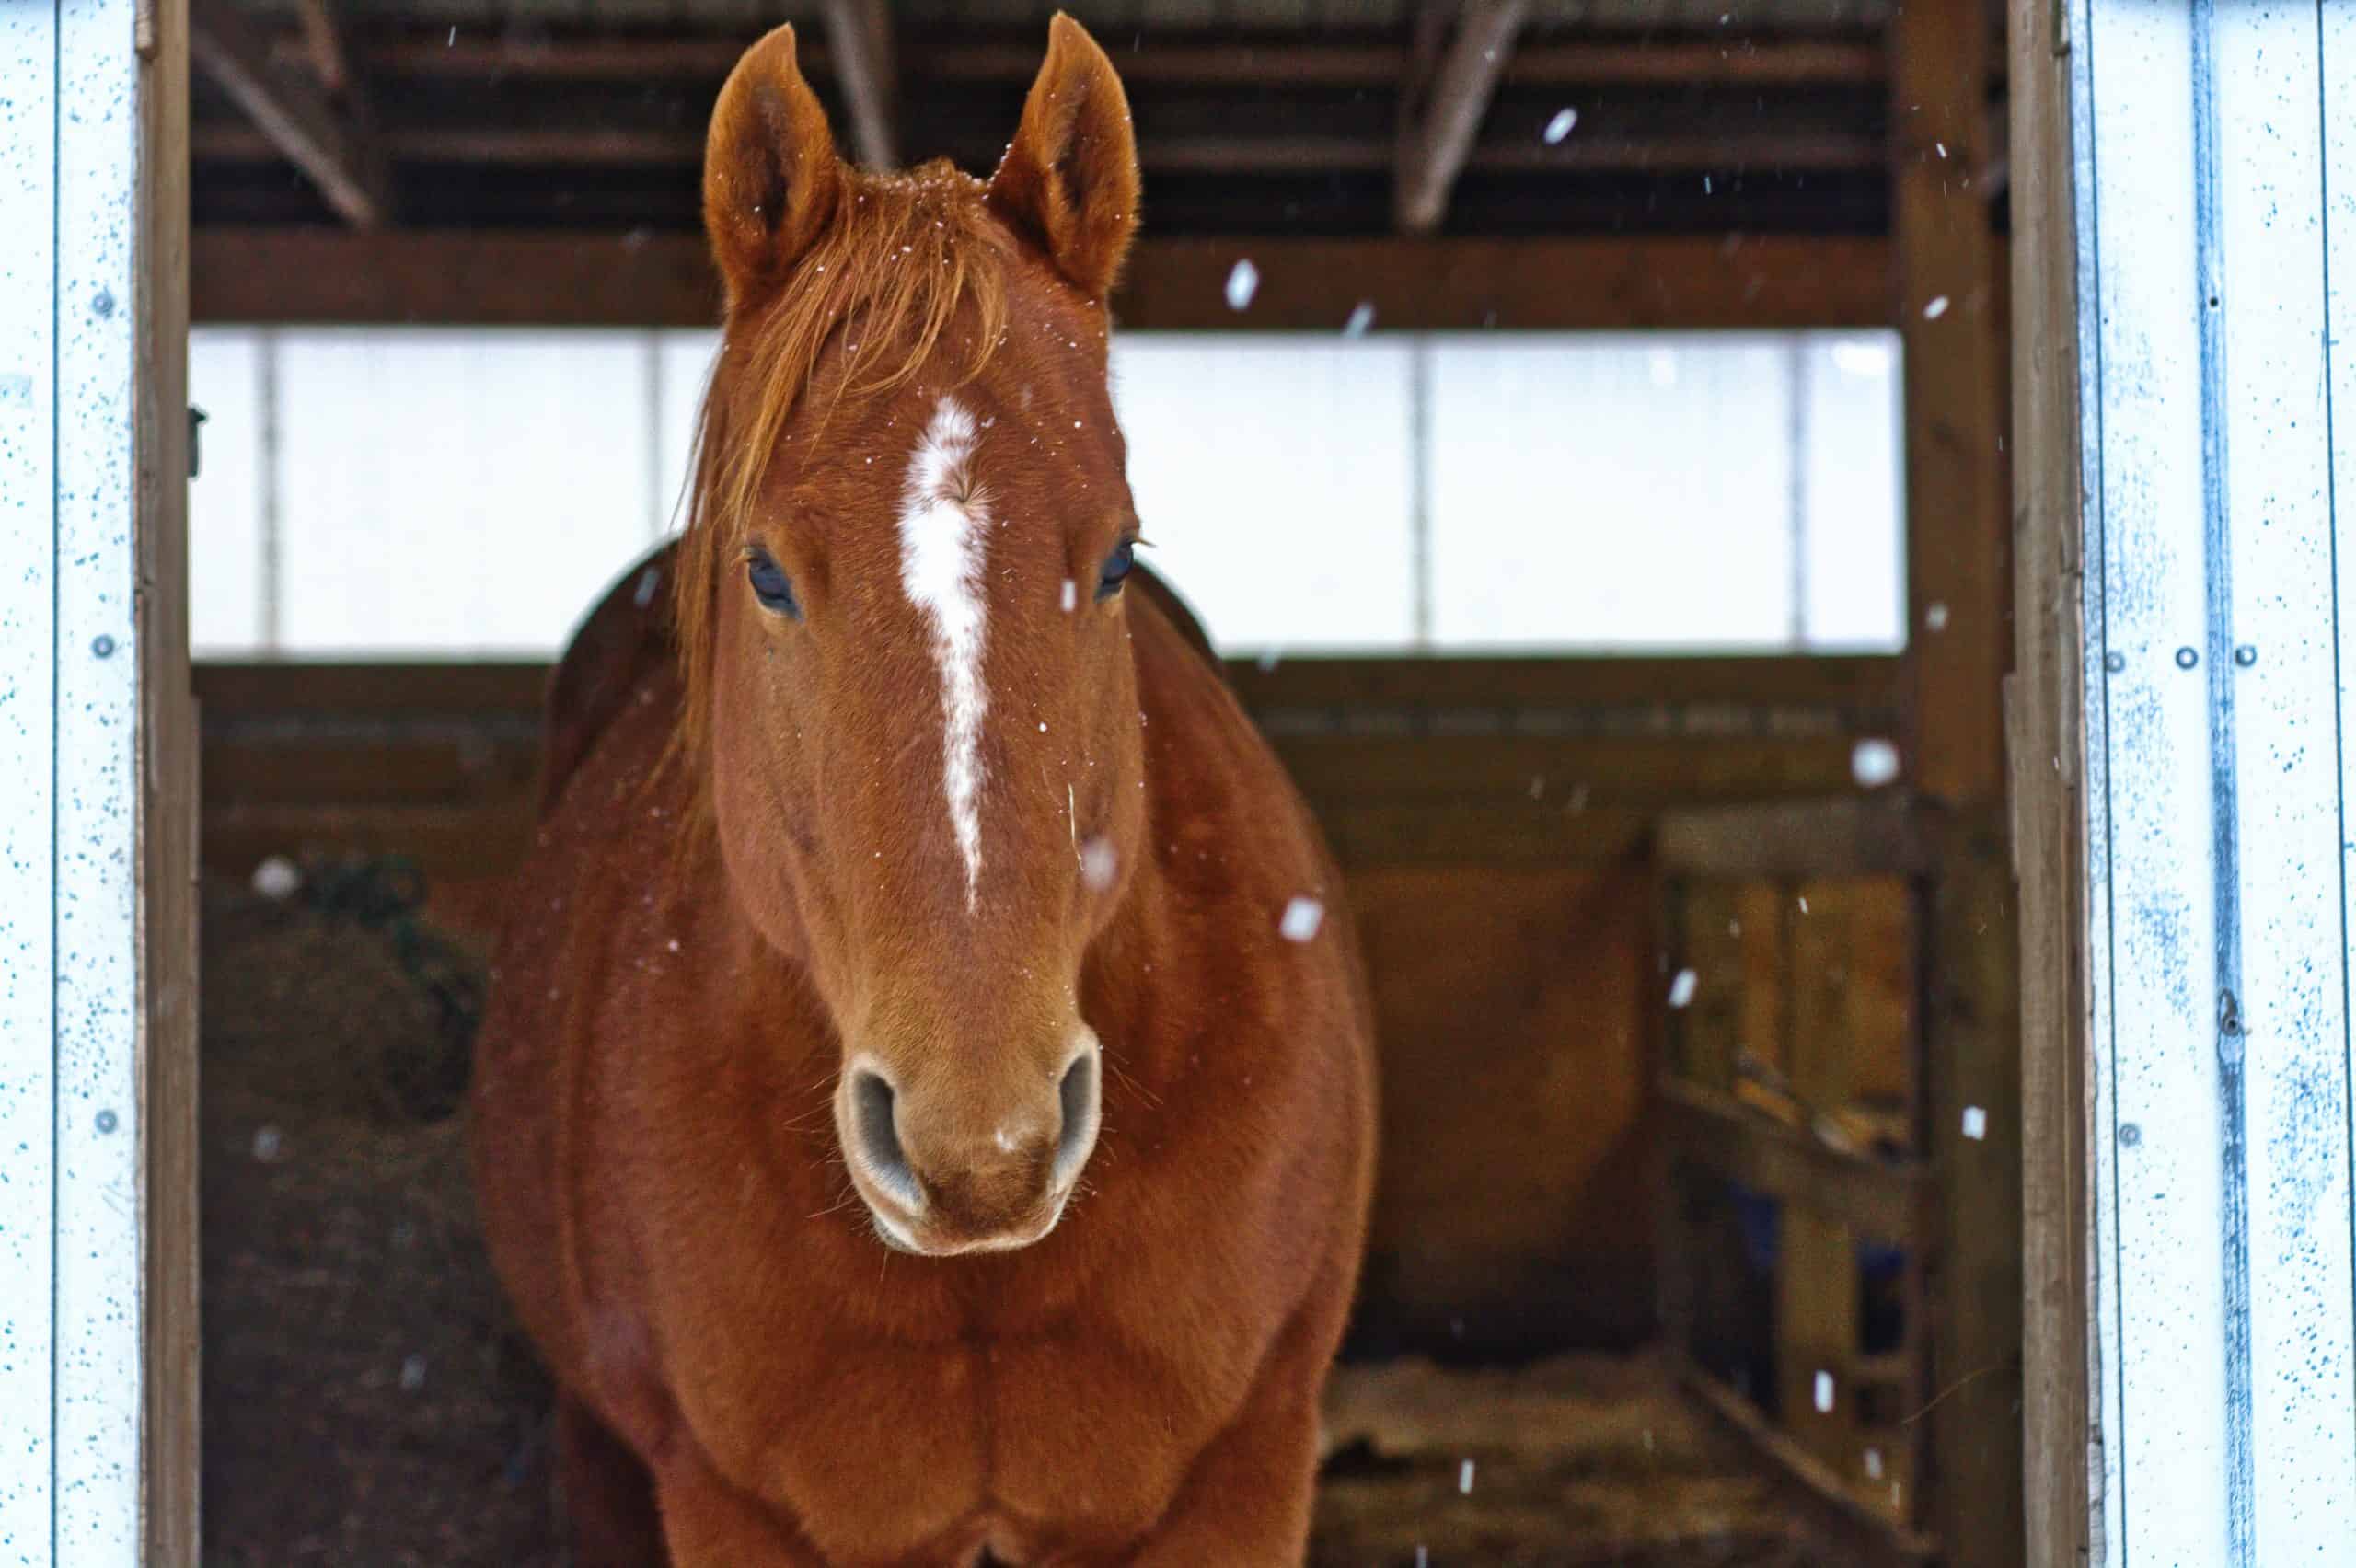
[2049, 805]
[489, 278]
[168, 808]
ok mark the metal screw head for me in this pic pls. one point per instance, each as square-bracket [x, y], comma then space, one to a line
[106, 1121]
[2129, 1133]
[2114, 662]
[2186, 658]
[102, 645]
[2246, 655]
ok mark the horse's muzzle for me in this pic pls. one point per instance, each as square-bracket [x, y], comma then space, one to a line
[941, 1181]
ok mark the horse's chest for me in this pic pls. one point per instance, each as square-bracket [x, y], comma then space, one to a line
[1031, 1447]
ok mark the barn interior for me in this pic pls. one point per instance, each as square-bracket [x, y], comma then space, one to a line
[1680, 860]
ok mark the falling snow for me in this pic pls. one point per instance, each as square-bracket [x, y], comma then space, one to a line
[1301, 918]
[276, 879]
[1361, 319]
[1937, 308]
[1243, 282]
[1680, 990]
[1873, 762]
[1559, 126]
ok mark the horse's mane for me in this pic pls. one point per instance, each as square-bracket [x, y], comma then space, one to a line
[905, 256]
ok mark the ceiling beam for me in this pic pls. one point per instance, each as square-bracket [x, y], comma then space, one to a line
[323, 42]
[859, 33]
[1179, 60]
[297, 115]
[1437, 134]
[1807, 148]
[477, 278]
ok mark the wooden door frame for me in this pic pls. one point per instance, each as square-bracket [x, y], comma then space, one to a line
[2045, 738]
[99, 1394]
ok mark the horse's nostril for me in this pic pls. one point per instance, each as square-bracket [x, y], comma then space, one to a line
[878, 1138]
[1078, 1094]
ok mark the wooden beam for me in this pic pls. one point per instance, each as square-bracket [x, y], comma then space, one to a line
[599, 56]
[1436, 135]
[1779, 688]
[1535, 284]
[1949, 309]
[2048, 733]
[859, 32]
[1959, 643]
[650, 146]
[323, 43]
[473, 277]
[1854, 835]
[1887, 1200]
[1847, 1529]
[1169, 60]
[170, 835]
[589, 147]
[438, 760]
[297, 115]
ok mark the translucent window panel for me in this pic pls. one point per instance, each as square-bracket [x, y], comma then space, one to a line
[226, 499]
[457, 491]
[1612, 491]
[1853, 539]
[468, 491]
[682, 367]
[1276, 478]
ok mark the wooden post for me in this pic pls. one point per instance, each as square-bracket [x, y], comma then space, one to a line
[168, 793]
[1947, 312]
[2048, 816]
[1948, 307]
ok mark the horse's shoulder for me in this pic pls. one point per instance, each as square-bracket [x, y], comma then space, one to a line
[1178, 613]
[609, 654]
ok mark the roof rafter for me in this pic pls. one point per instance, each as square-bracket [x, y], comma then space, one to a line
[859, 33]
[1436, 135]
[302, 121]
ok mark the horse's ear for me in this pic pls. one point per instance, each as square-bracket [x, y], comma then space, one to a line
[770, 175]
[1069, 178]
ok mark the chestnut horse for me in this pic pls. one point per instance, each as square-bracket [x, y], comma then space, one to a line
[925, 1110]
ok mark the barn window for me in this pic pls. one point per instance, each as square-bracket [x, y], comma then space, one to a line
[1437, 493]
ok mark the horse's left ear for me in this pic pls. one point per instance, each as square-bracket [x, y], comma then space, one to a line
[1068, 181]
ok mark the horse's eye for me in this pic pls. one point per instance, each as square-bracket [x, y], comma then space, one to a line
[769, 585]
[1117, 567]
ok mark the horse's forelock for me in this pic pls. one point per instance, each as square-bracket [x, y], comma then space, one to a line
[905, 255]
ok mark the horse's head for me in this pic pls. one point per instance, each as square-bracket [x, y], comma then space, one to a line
[909, 682]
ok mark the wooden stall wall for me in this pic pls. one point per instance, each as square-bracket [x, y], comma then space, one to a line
[1493, 818]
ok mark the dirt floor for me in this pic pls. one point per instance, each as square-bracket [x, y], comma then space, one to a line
[368, 1402]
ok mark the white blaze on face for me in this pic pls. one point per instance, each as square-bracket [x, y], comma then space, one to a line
[944, 517]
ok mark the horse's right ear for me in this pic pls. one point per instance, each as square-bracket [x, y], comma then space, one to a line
[770, 176]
